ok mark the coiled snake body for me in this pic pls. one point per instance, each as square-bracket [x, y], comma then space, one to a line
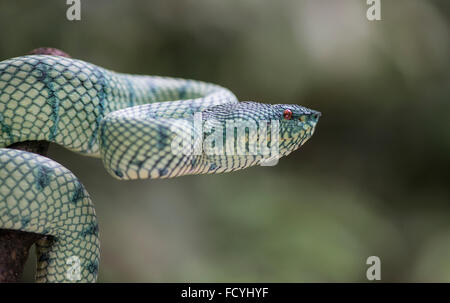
[135, 125]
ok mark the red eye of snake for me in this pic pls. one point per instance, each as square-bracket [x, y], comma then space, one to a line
[287, 114]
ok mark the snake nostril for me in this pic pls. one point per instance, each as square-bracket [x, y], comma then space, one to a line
[316, 116]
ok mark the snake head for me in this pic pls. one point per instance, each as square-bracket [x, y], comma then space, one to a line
[285, 127]
[296, 125]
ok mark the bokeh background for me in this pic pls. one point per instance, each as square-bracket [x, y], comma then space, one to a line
[373, 180]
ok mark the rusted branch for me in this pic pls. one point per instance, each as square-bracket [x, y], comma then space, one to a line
[14, 248]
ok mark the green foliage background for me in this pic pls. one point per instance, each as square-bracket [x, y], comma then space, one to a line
[373, 180]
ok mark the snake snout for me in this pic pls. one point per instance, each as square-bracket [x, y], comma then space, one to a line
[315, 115]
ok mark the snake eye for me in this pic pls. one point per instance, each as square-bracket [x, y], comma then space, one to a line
[287, 114]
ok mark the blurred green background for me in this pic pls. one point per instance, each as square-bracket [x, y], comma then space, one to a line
[373, 180]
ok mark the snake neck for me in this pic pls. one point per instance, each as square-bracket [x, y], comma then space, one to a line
[220, 138]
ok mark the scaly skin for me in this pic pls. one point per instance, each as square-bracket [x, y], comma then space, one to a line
[131, 122]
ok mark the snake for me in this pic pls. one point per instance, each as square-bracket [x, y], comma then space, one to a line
[142, 127]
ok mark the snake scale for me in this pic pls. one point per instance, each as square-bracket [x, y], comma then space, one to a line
[131, 122]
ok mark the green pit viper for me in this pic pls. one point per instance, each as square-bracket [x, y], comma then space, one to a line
[131, 122]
